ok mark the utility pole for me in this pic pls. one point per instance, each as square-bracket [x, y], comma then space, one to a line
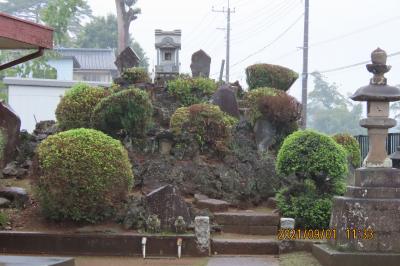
[228, 36]
[305, 67]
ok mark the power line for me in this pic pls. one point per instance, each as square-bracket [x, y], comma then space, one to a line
[272, 19]
[355, 31]
[353, 65]
[271, 43]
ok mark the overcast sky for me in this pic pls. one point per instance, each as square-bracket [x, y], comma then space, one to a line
[342, 32]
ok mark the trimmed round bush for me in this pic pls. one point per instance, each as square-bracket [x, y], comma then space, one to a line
[127, 112]
[252, 100]
[191, 91]
[136, 75]
[205, 122]
[76, 106]
[351, 145]
[274, 76]
[84, 175]
[309, 154]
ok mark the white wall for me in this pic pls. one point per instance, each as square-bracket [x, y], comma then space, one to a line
[37, 98]
[64, 67]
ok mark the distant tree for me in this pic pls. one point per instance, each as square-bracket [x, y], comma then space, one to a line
[330, 112]
[59, 14]
[101, 32]
[124, 19]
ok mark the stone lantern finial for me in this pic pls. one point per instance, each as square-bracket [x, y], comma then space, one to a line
[378, 67]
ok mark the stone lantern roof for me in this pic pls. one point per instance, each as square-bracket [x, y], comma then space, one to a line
[377, 90]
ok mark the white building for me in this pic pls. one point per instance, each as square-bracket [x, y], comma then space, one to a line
[168, 44]
[36, 100]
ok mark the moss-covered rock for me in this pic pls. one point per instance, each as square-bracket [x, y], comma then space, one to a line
[274, 76]
[128, 112]
[76, 106]
[83, 175]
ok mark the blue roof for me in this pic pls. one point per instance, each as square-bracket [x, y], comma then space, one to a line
[91, 59]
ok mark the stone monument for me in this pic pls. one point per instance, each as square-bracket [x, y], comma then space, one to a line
[367, 217]
[200, 65]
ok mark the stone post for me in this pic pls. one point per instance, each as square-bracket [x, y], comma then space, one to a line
[202, 232]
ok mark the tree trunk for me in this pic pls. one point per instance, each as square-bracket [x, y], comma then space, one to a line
[123, 29]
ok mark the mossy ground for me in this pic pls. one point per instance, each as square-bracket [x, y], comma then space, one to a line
[298, 259]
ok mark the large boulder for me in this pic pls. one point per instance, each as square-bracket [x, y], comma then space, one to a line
[225, 98]
[10, 125]
[167, 203]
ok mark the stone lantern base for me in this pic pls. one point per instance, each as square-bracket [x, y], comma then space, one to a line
[367, 220]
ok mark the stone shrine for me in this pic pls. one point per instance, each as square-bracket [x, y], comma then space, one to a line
[168, 44]
[200, 65]
[367, 217]
[127, 59]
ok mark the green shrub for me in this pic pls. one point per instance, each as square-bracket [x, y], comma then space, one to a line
[126, 112]
[84, 175]
[266, 75]
[136, 75]
[319, 165]
[351, 145]
[308, 209]
[309, 154]
[3, 220]
[205, 122]
[76, 107]
[191, 91]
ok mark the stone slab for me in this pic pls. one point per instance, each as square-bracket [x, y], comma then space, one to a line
[328, 256]
[240, 261]
[35, 261]
[246, 218]
[213, 205]
[95, 244]
[377, 177]
[250, 229]
[244, 247]
[373, 192]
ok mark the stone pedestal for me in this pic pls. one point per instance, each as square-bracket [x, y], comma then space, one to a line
[367, 220]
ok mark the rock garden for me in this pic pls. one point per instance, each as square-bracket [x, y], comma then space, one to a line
[147, 159]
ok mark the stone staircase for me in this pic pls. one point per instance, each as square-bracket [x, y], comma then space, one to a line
[246, 233]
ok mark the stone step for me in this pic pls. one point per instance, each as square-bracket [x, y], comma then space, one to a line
[244, 247]
[213, 205]
[251, 229]
[247, 218]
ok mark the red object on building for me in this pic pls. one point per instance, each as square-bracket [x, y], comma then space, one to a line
[16, 33]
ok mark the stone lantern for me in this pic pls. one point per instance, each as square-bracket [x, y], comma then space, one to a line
[377, 95]
[366, 219]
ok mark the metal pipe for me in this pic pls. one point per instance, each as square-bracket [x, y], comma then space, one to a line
[144, 240]
[179, 244]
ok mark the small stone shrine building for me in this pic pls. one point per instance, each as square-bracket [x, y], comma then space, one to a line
[168, 44]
